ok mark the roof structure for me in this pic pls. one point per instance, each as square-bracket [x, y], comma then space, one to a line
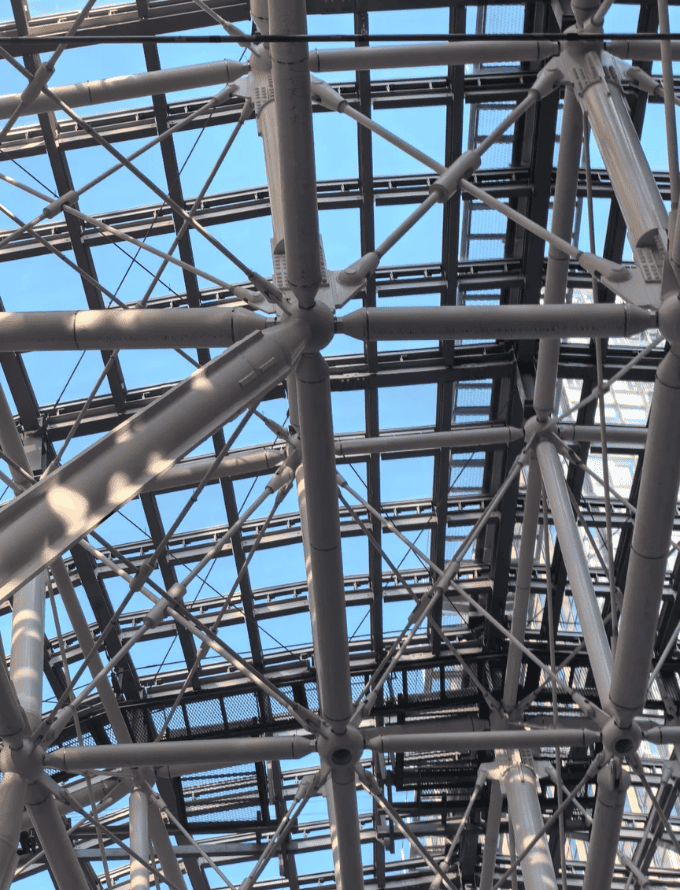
[339, 429]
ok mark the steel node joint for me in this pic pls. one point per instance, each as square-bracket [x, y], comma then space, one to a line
[319, 326]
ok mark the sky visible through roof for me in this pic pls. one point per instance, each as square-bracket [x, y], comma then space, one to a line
[44, 283]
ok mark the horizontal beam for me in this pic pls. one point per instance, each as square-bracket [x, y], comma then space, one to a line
[198, 754]
[126, 329]
[485, 741]
[496, 322]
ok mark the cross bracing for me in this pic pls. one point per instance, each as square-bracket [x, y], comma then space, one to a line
[395, 626]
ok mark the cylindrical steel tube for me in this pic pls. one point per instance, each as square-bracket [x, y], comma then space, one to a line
[619, 144]
[484, 741]
[329, 621]
[27, 655]
[527, 821]
[525, 565]
[293, 101]
[558, 262]
[139, 840]
[656, 508]
[496, 322]
[226, 751]
[48, 517]
[578, 572]
[613, 783]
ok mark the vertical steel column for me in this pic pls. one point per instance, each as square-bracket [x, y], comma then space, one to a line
[323, 541]
[293, 101]
[525, 567]
[27, 652]
[558, 262]
[139, 839]
[613, 783]
[493, 824]
[321, 527]
[582, 590]
[527, 821]
[656, 508]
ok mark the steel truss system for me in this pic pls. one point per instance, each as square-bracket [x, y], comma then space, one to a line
[477, 686]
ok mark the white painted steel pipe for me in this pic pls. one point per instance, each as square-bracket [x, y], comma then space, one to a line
[342, 804]
[257, 461]
[328, 613]
[613, 783]
[496, 322]
[293, 103]
[656, 508]
[259, 86]
[642, 50]
[54, 840]
[163, 848]
[484, 741]
[127, 328]
[218, 751]
[468, 52]
[521, 788]
[139, 839]
[41, 523]
[525, 565]
[12, 796]
[129, 86]
[27, 654]
[583, 593]
[619, 144]
[210, 74]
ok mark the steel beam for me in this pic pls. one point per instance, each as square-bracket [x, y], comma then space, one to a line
[49, 827]
[42, 522]
[199, 753]
[608, 114]
[293, 104]
[139, 840]
[525, 566]
[521, 788]
[613, 783]
[12, 796]
[484, 741]
[657, 505]
[321, 529]
[127, 329]
[578, 571]
[163, 848]
[558, 262]
[496, 322]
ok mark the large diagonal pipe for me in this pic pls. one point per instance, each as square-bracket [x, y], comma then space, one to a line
[657, 503]
[43, 521]
[578, 571]
[54, 840]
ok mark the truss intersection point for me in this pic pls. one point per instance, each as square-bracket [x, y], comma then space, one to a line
[486, 694]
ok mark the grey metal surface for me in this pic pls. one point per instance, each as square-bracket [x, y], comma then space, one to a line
[224, 755]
